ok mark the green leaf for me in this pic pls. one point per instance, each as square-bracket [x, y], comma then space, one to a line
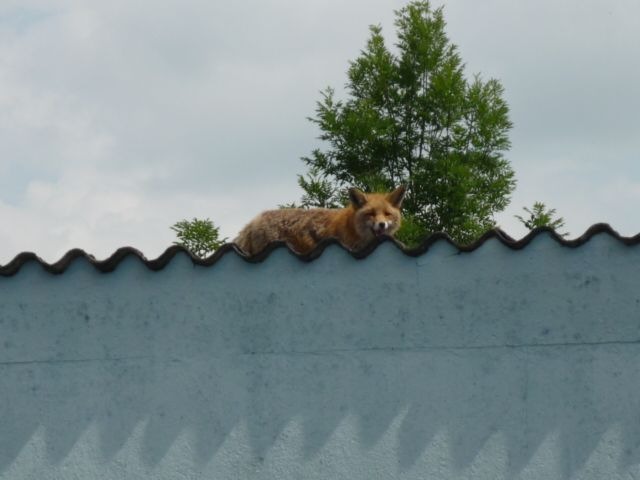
[540, 216]
[200, 237]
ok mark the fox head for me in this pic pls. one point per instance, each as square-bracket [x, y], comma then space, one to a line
[377, 213]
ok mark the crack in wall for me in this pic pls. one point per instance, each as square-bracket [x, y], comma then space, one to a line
[333, 351]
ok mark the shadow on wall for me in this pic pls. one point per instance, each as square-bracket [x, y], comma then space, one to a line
[524, 394]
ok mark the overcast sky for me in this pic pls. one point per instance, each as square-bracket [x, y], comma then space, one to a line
[119, 118]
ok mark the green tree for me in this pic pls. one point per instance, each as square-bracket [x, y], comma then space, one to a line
[540, 216]
[412, 117]
[200, 237]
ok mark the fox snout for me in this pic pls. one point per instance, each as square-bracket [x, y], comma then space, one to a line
[380, 228]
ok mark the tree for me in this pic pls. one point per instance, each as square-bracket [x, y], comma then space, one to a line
[320, 192]
[539, 216]
[200, 237]
[412, 117]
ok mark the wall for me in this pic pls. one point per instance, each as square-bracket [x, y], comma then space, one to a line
[499, 363]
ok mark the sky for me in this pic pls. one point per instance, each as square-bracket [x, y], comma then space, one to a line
[120, 118]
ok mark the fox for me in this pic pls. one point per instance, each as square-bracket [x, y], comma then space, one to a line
[368, 216]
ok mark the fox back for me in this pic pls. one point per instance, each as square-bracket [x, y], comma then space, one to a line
[368, 216]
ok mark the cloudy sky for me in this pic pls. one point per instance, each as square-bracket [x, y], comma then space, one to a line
[119, 118]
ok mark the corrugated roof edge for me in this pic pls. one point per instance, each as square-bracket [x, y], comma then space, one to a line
[111, 263]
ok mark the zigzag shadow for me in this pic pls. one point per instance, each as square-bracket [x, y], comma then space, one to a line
[468, 395]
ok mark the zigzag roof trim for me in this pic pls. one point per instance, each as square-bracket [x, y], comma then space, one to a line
[112, 262]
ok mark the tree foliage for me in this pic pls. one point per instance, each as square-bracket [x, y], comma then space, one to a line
[200, 237]
[540, 216]
[412, 117]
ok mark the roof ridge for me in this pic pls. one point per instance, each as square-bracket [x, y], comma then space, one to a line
[111, 263]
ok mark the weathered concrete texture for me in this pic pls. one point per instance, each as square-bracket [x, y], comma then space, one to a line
[496, 364]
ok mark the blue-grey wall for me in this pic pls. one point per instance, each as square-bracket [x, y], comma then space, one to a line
[494, 364]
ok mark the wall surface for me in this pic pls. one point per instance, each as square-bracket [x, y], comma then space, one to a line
[494, 364]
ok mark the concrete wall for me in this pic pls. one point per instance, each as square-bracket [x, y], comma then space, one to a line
[494, 364]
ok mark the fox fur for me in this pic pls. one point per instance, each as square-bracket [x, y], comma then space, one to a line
[368, 216]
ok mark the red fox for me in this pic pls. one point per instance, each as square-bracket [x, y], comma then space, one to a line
[368, 216]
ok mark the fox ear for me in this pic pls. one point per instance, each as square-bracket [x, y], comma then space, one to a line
[357, 197]
[396, 197]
